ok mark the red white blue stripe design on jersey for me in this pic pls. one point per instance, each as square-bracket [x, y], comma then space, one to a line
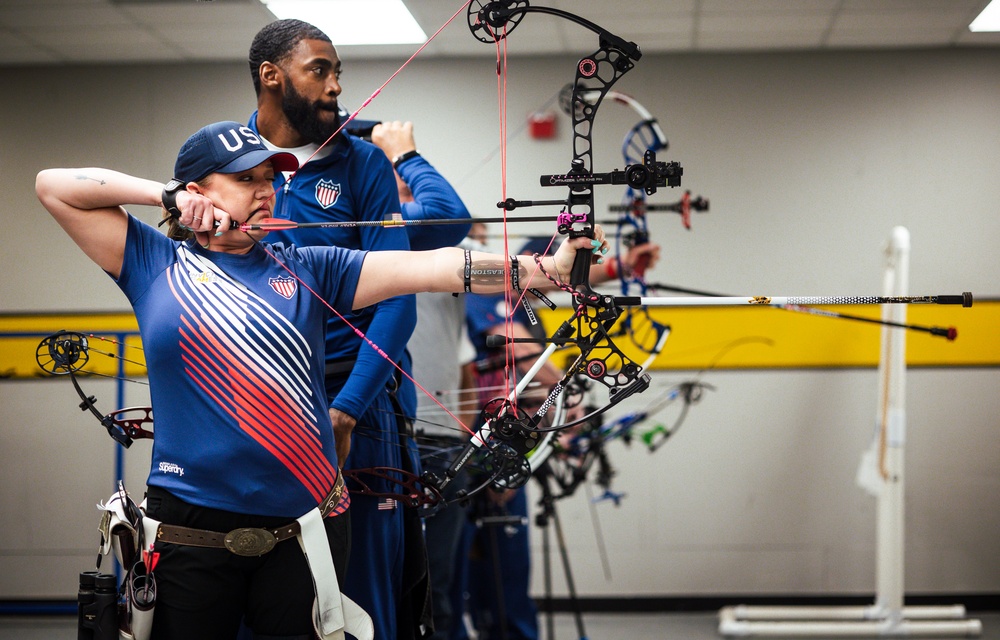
[250, 360]
[327, 193]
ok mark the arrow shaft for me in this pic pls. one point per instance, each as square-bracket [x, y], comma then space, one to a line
[276, 224]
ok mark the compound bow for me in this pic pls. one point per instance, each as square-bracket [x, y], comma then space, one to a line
[506, 431]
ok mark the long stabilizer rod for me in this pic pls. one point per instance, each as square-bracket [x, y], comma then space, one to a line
[945, 332]
[965, 299]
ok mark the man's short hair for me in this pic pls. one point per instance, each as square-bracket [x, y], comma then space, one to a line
[275, 41]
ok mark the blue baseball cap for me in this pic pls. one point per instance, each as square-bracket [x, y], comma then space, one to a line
[226, 147]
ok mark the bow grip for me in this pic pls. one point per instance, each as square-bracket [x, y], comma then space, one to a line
[581, 268]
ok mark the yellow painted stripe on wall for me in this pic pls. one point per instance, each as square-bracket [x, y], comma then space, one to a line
[767, 337]
[726, 338]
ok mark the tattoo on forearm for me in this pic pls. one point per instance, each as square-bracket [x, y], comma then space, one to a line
[489, 272]
[86, 177]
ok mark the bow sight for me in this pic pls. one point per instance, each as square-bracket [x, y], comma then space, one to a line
[648, 176]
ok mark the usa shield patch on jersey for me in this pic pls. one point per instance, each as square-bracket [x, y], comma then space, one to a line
[283, 286]
[327, 193]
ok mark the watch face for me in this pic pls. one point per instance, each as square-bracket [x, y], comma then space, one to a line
[174, 185]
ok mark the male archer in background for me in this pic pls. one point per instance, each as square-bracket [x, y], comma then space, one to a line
[295, 71]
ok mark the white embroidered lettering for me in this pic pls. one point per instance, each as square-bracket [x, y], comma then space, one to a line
[170, 467]
[237, 140]
[250, 135]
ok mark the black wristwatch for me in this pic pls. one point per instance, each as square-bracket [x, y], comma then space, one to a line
[403, 157]
[169, 197]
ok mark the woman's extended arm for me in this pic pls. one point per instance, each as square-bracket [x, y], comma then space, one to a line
[391, 273]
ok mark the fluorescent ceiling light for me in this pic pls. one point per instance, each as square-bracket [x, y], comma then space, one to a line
[354, 21]
[989, 19]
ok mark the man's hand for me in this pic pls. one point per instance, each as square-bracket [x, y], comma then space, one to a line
[394, 138]
[343, 426]
[639, 258]
[636, 261]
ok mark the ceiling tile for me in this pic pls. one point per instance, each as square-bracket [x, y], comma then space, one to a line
[204, 43]
[758, 41]
[912, 20]
[762, 24]
[193, 14]
[880, 38]
[97, 44]
[27, 56]
[906, 6]
[39, 4]
[981, 38]
[760, 7]
[187, 30]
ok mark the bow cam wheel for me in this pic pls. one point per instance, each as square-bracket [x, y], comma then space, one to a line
[491, 22]
[62, 353]
[509, 468]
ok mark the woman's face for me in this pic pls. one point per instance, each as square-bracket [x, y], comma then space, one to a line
[248, 196]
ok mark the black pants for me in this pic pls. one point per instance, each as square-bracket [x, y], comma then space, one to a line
[204, 593]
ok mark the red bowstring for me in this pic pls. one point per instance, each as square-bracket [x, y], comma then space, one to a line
[510, 359]
[501, 63]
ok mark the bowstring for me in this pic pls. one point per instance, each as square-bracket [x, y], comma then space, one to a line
[511, 304]
[510, 362]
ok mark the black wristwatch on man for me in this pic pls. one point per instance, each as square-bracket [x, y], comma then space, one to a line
[403, 157]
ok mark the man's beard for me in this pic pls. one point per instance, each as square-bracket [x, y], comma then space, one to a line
[304, 117]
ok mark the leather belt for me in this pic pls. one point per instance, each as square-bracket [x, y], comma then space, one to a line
[246, 541]
[339, 367]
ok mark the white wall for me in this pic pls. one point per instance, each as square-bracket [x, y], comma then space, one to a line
[809, 161]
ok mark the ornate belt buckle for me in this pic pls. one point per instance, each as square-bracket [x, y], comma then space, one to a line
[250, 541]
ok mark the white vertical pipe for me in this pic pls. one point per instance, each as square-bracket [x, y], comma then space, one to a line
[887, 617]
[890, 542]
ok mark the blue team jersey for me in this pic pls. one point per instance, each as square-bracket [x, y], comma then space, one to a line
[233, 344]
[433, 197]
[355, 182]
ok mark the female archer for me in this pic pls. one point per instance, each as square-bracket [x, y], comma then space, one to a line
[232, 329]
